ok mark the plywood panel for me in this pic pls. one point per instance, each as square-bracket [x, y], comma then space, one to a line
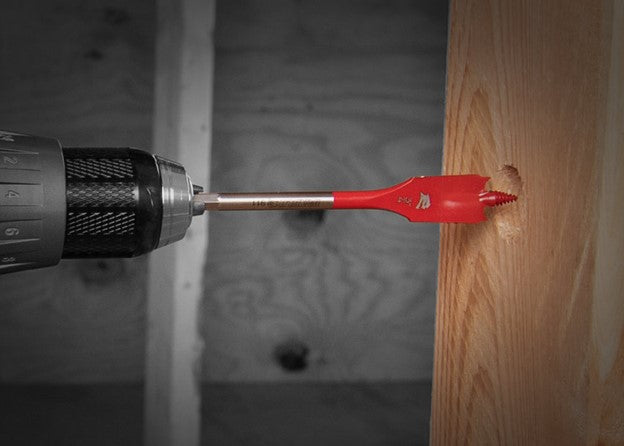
[323, 95]
[530, 316]
[336, 94]
[82, 72]
[235, 414]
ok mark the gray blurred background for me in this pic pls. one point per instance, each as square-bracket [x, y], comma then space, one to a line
[318, 327]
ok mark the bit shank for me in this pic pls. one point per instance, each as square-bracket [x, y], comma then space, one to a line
[265, 201]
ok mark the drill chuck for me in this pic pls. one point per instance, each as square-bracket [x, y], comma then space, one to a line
[60, 202]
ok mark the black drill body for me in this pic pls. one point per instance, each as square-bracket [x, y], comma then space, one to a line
[86, 202]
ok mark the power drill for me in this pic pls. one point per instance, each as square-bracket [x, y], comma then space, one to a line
[60, 202]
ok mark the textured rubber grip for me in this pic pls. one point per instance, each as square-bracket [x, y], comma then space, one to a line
[114, 203]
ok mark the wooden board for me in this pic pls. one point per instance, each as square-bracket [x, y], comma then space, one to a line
[183, 132]
[323, 95]
[81, 72]
[530, 315]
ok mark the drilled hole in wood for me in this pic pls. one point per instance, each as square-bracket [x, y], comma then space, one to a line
[292, 356]
[510, 178]
[509, 218]
[302, 223]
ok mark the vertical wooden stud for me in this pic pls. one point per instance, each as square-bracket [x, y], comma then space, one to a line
[530, 315]
[182, 132]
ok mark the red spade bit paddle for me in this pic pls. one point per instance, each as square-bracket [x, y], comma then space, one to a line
[442, 199]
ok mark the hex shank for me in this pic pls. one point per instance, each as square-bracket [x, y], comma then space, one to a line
[265, 201]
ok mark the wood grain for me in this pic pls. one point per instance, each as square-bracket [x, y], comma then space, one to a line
[530, 315]
[81, 72]
[182, 131]
[324, 95]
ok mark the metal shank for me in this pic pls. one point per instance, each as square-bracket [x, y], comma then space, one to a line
[266, 201]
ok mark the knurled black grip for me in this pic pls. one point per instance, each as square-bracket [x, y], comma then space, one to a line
[114, 203]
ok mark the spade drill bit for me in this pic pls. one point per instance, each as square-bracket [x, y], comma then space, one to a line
[442, 199]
